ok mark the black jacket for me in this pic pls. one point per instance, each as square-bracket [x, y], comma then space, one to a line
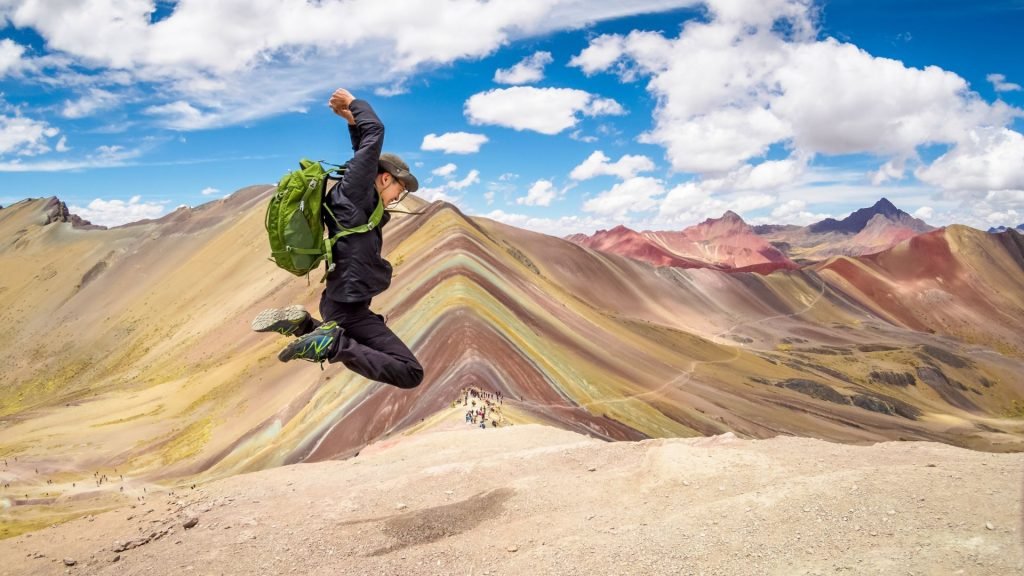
[360, 272]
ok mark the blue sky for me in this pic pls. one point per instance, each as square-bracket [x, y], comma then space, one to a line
[560, 116]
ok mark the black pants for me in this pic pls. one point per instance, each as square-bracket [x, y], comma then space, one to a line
[368, 347]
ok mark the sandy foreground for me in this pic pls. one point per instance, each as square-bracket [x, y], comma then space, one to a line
[537, 500]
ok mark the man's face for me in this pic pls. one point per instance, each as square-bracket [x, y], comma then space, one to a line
[392, 190]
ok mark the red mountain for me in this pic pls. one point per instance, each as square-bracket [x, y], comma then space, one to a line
[725, 243]
[631, 244]
[956, 281]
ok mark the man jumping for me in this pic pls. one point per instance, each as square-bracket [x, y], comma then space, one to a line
[350, 333]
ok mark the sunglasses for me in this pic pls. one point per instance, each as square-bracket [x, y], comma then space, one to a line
[401, 195]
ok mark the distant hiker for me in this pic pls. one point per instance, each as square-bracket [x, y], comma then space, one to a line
[350, 333]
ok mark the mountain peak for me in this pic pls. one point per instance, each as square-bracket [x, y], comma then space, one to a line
[57, 211]
[884, 206]
[883, 202]
[729, 224]
[859, 219]
[618, 230]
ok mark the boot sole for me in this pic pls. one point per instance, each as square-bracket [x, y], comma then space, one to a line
[278, 319]
[293, 351]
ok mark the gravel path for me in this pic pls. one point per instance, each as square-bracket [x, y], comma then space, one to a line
[537, 500]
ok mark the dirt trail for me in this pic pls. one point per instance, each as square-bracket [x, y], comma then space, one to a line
[537, 500]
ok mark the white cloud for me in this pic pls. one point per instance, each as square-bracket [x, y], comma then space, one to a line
[102, 157]
[540, 194]
[442, 192]
[117, 212]
[396, 89]
[691, 202]
[601, 54]
[454, 142]
[891, 170]
[181, 115]
[10, 56]
[580, 137]
[1014, 198]
[1000, 84]
[733, 86]
[544, 110]
[527, 71]
[110, 151]
[1000, 208]
[603, 107]
[24, 136]
[472, 178]
[96, 100]
[503, 187]
[748, 188]
[444, 171]
[923, 213]
[597, 164]
[794, 213]
[980, 209]
[987, 159]
[559, 227]
[768, 175]
[437, 194]
[789, 208]
[633, 195]
[791, 212]
[209, 190]
[204, 55]
[1003, 218]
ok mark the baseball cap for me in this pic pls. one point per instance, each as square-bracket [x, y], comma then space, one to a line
[400, 170]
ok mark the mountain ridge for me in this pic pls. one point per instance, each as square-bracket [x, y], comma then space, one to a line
[857, 220]
[725, 243]
[135, 341]
[865, 231]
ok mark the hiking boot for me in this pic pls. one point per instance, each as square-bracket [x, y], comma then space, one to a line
[315, 346]
[287, 321]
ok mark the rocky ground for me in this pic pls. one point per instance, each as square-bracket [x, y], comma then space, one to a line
[537, 500]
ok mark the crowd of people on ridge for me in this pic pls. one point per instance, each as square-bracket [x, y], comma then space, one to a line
[483, 407]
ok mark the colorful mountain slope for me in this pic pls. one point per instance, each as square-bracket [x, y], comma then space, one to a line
[956, 281]
[130, 348]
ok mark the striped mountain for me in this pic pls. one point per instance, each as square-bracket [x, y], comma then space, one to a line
[130, 348]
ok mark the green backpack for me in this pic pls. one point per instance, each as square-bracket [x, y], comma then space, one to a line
[294, 220]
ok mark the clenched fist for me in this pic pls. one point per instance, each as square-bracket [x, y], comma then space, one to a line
[340, 101]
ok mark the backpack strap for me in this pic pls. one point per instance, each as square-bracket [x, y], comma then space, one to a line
[339, 168]
[375, 218]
